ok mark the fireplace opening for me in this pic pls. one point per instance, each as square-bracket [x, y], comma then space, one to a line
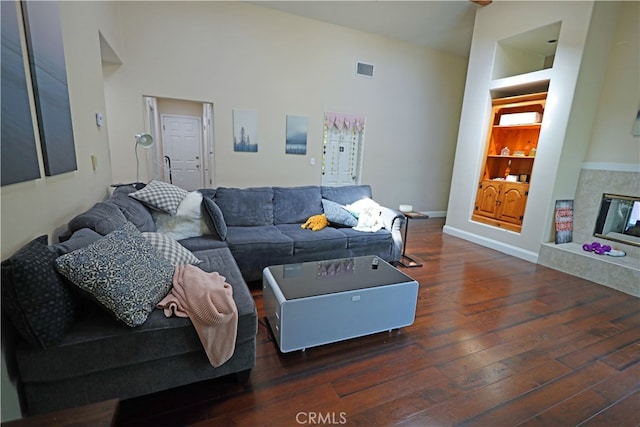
[619, 219]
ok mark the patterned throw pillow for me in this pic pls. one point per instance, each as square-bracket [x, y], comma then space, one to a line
[34, 295]
[172, 251]
[161, 196]
[122, 271]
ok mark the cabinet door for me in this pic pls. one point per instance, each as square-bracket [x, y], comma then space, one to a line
[487, 198]
[512, 202]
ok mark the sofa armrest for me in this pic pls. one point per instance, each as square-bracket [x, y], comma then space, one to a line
[393, 221]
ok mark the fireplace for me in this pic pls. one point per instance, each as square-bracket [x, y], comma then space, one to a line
[619, 219]
[598, 196]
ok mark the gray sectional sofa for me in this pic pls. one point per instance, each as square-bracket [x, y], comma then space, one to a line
[78, 353]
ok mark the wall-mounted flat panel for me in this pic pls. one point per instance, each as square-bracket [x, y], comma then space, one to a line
[18, 148]
[49, 77]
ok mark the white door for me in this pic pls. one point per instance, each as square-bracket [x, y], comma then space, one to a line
[182, 148]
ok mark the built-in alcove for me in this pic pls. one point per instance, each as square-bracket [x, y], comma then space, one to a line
[526, 52]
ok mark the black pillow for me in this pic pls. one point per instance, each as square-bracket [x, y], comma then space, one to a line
[35, 296]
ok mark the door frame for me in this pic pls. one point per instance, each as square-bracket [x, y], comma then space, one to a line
[152, 125]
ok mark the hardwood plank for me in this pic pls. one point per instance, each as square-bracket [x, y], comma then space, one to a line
[602, 348]
[621, 414]
[496, 341]
[537, 400]
[455, 407]
[581, 407]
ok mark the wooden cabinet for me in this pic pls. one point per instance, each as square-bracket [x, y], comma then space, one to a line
[501, 203]
[512, 145]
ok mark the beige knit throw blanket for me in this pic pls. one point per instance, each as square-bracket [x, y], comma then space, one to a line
[206, 299]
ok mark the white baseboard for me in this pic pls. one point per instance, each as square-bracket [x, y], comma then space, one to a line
[493, 244]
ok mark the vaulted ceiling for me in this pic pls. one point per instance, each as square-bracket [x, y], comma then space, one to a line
[442, 25]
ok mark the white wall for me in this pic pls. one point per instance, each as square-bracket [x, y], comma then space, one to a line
[237, 55]
[611, 140]
[44, 205]
[573, 93]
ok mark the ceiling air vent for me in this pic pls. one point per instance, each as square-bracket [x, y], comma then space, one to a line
[364, 70]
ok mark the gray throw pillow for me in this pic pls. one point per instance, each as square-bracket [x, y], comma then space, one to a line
[337, 215]
[34, 295]
[122, 271]
[216, 217]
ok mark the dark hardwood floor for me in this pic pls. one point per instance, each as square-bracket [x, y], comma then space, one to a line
[497, 341]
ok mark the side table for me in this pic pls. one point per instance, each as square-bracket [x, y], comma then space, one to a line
[407, 260]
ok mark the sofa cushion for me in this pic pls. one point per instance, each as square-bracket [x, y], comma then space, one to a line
[337, 215]
[259, 238]
[161, 196]
[35, 296]
[346, 194]
[202, 243]
[133, 211]
[79, 239]
[122, 271]
[102, 218]
[309, 242]
[96, 344]
[293, 205]
[216, 217]
[172, 251]
[244, 207]
[364, 243]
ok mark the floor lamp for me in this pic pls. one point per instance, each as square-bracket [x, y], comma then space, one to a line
[145, 141]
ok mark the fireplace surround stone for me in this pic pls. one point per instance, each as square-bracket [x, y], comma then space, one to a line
[622, 273]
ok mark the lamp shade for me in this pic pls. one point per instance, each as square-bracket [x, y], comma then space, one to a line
[144, 140]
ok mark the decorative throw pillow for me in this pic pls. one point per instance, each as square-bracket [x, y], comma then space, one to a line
[337, 215]
[172, 251]
[122, 271]
[161, 196]
[34, 295]
[216, 217]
